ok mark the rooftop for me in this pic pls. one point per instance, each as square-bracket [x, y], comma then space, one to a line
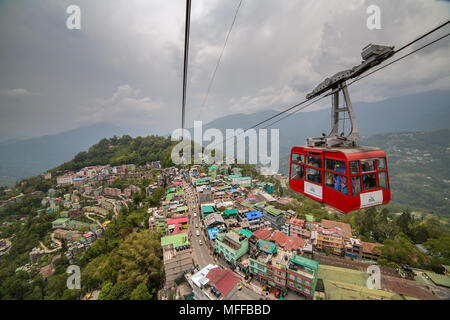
[294, 243]
[305, 262]
[246, 233]
[273, 211]
[280, 238]
[439, 279]
[262, 234]
[253, 215]
[176, 240]
[345, 227]
[266, 246]
[223, 280]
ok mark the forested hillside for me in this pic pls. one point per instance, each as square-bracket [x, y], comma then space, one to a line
[123, 150]
[418, 168]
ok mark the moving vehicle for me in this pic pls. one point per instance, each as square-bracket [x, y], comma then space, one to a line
[197, 233]
[239, 286]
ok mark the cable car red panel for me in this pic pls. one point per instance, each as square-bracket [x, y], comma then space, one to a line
[346, 179]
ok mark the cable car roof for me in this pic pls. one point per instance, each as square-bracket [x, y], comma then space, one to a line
[343, 149]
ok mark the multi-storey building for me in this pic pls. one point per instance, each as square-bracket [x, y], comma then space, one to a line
[177, 257]
[297, 228]
[353, 248]
[283, 269]
[231, 246]
[274, 216]
[112, 192]
[331, 239]
[64, 180]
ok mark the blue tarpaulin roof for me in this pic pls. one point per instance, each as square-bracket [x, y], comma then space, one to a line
[213, 233]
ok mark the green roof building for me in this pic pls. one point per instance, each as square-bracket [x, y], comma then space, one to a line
[177, 240]
[228, 214]
[246, 233]
[207, 210]
[439, 279]
[231, 246]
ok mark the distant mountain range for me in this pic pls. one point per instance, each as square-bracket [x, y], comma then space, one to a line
[24, 158]
[420, 112]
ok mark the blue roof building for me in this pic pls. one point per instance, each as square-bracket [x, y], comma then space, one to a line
[253, 215]
[212, 232]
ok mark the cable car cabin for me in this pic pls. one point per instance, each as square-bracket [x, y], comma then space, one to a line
[345, 178]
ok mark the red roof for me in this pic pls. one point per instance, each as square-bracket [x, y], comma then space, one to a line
[297, 222]
[262, 234]
[223, 280]
[345, 227]
[178, 229]
[280, 238]
[175, 221]
[294, 243]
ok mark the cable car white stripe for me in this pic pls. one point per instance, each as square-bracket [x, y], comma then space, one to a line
[370, 199]
[313, 190]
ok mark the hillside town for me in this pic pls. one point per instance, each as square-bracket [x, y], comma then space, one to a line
[224, 236]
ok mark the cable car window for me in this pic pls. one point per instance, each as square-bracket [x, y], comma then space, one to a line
[336, 181]
[356, 185]
[297, 171]
[314, 175]
[335, 165]
[381, 164]
[382, 180]
[354, 167]
[314, 162]
[299, 158]
[367, 166]
[369, 181]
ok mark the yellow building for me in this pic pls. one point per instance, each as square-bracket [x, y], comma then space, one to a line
[330, 239]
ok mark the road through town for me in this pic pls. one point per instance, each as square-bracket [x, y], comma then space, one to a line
[202, 252]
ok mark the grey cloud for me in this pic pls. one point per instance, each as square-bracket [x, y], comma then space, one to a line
[125, 64]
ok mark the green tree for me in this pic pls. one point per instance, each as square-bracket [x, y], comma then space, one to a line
[106, 290]
[439, 246]
[120, 291]
[141, 293]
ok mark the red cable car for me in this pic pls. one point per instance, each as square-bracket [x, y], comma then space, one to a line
[334, 169]
[344, 178]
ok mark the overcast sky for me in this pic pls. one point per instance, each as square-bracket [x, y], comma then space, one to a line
[125, 64]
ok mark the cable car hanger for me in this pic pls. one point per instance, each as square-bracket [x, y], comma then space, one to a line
[372, 55]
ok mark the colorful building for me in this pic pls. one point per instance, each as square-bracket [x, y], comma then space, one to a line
[231, 246]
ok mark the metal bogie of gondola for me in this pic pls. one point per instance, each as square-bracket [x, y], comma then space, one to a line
[334, 169]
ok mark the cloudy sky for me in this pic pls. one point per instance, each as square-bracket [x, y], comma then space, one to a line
[125, 64]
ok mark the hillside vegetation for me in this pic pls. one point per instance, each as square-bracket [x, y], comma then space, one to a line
[124, 150]
[418, 168]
